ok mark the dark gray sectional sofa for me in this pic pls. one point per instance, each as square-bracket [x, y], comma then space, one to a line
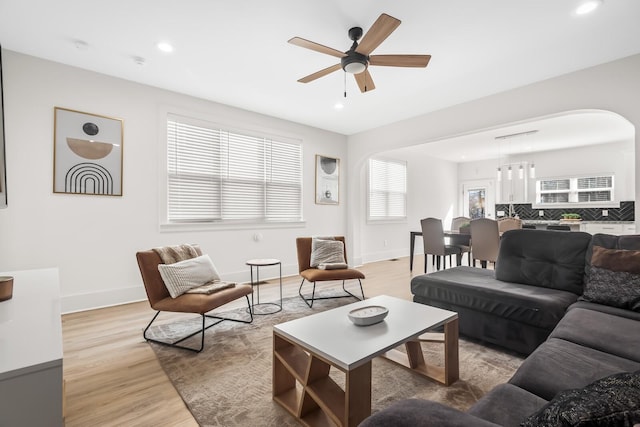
[538, 274]
[584, 369]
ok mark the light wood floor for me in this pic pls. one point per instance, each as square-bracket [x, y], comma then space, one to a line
[112, 377]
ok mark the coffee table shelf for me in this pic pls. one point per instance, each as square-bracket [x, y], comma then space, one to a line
[318, 401]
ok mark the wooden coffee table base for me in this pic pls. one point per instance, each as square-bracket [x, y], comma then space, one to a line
[301, 382]
[317, 400]
[413, 359]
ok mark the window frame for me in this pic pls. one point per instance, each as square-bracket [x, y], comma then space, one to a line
[165, 225]
[573, 192]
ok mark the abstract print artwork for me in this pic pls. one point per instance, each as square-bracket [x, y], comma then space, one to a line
[327, 180]
[87, 153]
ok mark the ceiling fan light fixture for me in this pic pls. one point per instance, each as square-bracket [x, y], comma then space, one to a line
[354, 63]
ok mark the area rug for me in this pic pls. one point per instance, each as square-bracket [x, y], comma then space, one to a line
[229, 382]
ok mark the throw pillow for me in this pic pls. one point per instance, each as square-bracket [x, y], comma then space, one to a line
[324, 251]
[332, 266]
[610, 401]
[614, 278]
[188, 274]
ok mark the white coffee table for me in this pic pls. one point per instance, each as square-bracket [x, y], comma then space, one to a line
[305, 349]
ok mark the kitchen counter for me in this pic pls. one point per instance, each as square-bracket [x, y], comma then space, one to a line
[554, 222]
[592, 227]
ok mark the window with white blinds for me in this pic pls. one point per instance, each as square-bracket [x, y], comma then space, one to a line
[216, 175]
[387, 189]
[584, 189]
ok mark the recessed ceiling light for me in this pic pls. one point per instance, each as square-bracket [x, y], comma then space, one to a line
[165, 47]
[588, 7]
[338, 106]
[81, 45]
[139, 60]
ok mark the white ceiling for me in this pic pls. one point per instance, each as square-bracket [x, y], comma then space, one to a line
[571, 130]
[236, 52]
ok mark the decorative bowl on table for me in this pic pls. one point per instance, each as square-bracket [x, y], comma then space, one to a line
[368, 315]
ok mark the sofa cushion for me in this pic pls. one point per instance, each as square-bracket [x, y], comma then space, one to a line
[419, 412]
[507, 405]
[543, 258]
[611, 401]
[477, 289]
[605, 309]
[609, 241]
[614, 278]
[560, 365]
[595, 329]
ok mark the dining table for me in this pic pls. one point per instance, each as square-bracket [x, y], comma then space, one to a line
[461, 239]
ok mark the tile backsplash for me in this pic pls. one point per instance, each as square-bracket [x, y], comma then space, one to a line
[524, 210]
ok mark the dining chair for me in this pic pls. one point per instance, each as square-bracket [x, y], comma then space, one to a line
[509, 223]
[434, 244]
[462, 242]
[485, 240]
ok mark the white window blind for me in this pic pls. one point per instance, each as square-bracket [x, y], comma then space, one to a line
[215, 175]
[387, 189]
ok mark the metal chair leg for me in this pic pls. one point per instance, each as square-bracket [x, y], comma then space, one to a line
[199, 331]
[309, 301]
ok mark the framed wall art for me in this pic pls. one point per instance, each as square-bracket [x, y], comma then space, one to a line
[87, 155]
[327, 180]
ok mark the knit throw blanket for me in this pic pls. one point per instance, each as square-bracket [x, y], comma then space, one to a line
[173, 254]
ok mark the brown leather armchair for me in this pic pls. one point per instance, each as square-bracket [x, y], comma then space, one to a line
[160, 300]
[313, 275]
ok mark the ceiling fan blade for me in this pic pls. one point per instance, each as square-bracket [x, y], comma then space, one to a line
[379, 31]
[400, 60]
[321, 73]
[365, 82]
[316, 46]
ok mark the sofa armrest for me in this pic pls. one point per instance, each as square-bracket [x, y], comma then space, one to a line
[422, 413]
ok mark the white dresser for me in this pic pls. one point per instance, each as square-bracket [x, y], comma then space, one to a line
[31, 351]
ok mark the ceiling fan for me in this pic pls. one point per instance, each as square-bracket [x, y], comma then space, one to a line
[358, 58]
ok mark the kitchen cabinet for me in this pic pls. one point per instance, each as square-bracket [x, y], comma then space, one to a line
[613, 228]
[514, 190]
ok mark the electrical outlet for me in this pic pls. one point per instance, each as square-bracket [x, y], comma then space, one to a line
[605, 212]
[385, 242]
[540, 213]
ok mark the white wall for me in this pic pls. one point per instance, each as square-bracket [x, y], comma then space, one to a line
[93, 239]
[616, 157]
[613, 87]
[431, 192]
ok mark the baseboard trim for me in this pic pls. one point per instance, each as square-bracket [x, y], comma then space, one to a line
[109, 298]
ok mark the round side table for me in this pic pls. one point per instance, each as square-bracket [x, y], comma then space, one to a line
[257, 263]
